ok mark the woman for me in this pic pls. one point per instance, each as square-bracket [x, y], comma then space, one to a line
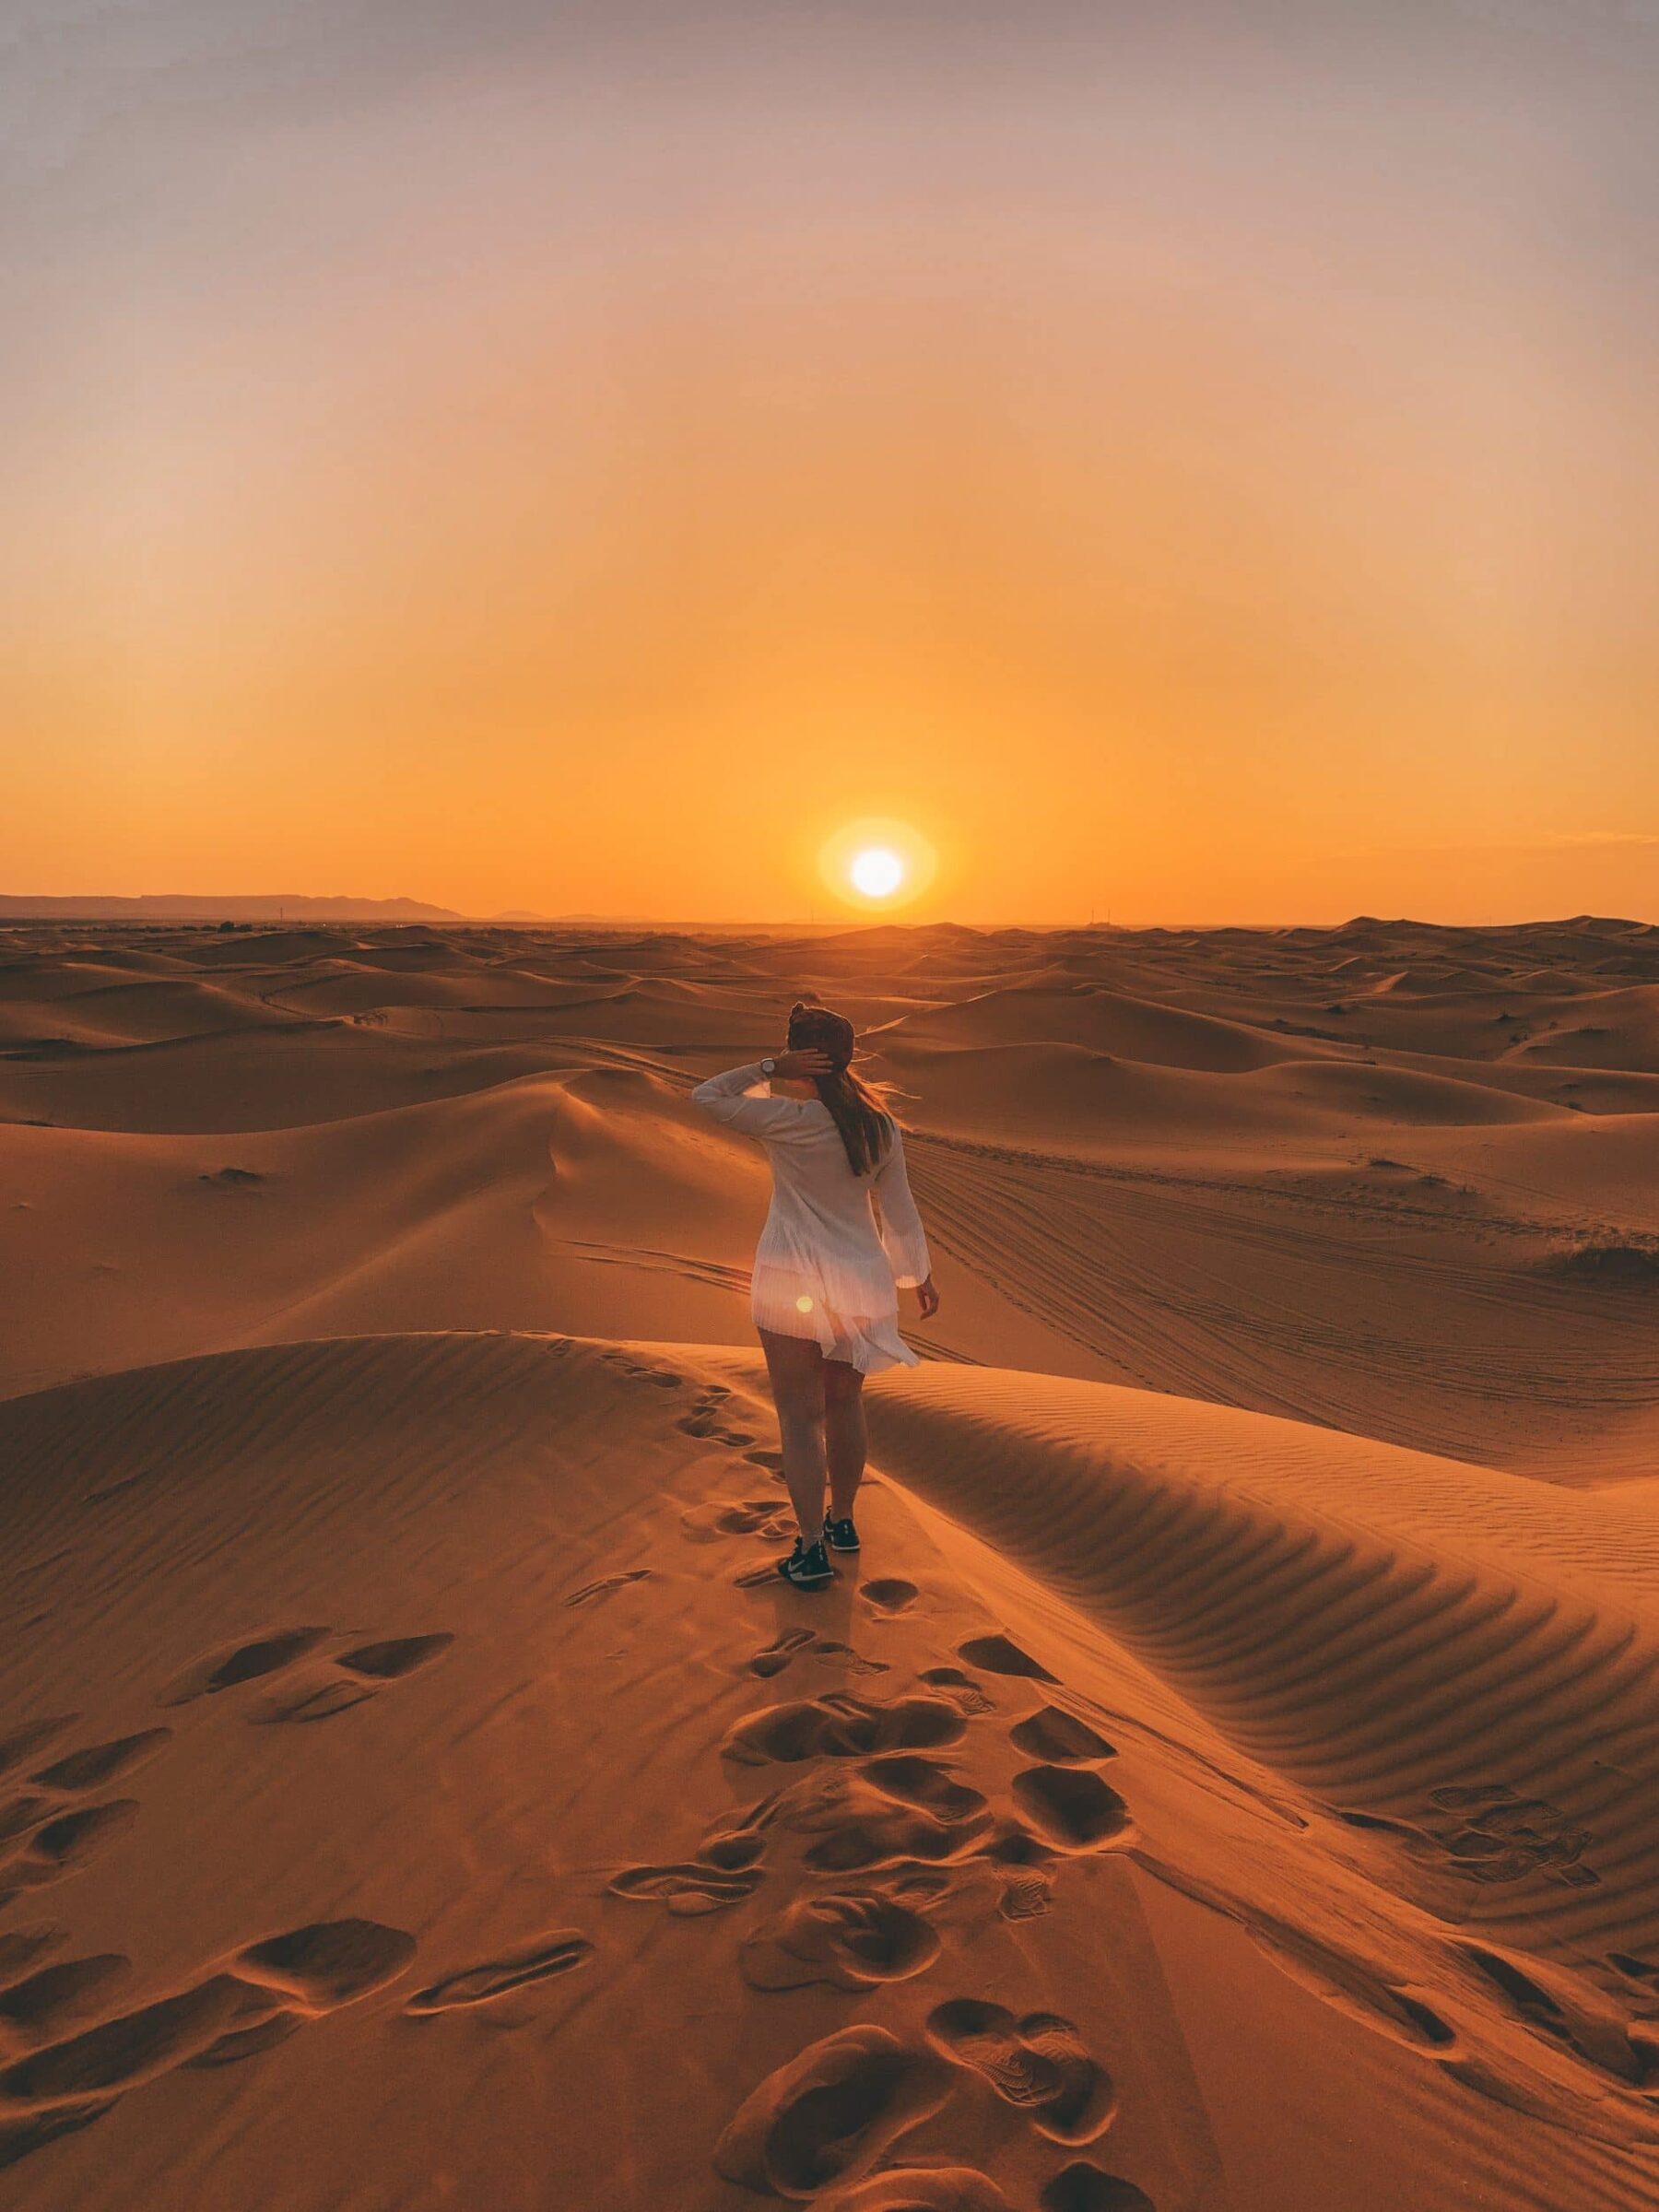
[843, 1233]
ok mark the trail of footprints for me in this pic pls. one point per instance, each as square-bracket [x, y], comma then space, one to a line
[1489, 1832]
[244, 2005]
[886, 1831]
[884, 1827]
[890, 1831]
[314, 1691]
[66, 2055]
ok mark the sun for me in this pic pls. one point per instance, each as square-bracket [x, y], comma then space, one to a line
[877, 872]
[878, 861]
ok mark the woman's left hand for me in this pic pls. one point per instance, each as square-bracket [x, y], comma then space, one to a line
[807, 1064]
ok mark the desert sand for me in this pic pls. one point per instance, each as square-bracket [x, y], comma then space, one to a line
[1229, 1781]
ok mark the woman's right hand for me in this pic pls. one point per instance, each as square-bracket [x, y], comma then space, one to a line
[927, 1298]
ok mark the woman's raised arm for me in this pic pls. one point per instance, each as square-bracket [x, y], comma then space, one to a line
[727, 1098]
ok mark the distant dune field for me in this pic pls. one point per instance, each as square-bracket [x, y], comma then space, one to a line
[1228, 1781]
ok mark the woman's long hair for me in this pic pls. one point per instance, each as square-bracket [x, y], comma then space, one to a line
[862, 1110]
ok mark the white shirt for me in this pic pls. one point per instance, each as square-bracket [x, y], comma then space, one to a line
[836, 1246]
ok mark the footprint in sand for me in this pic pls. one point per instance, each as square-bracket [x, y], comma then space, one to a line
[1024, 1860]
[66, 2086]
[847, 1938]
[829, 2115]
[883, 1813]
[303, 1975]
[766, 1517]
[841, 1726]
[758, 1578]
[1644, 1973]
[962, 1691]
[23, 1743]
[1084, 2188]
[391, 1660]
[1072, 1806]
[773, 1658]
[317, 1698]
[18, 1815]
[1025, 1895]
[1415, 1843]
[1000, 1656]
[63, 1843]
[542, 1961]
[315, 1695]
[90, 1769]
[1574, 2015]
[889, 1595]
[21, 1947]
[924, 1783]
[689, 1889]
[350, 1678]
[1354, 1988]
[1060, 1739]
[665, 1378]
[54, 1997]
[261, 1994]
[724, 1872]
[327, 1964]
[593, 1594]
[232, 1664]
[1490, 1833]
[828, 1653]
[1523, 1995]
[1037, 2064]
[706, 1418]
[920, 2189]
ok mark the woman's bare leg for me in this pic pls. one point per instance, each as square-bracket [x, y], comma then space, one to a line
[845, 1442]
[796, 1368]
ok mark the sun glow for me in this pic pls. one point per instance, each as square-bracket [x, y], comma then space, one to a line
[877, 872]
[878, 863]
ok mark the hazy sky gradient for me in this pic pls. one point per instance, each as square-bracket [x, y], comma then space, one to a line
[1197, 469]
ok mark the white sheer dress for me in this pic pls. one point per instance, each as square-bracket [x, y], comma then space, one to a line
[836, 1247]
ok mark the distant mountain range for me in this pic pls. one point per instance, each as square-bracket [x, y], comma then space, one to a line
[284, 907]
[162, 907]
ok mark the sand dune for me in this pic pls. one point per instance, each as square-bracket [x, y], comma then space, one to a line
[1226, 1784]
[1101, 1021]
[431, 1748]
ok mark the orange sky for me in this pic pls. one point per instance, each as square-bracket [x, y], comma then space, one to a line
[1189, 474]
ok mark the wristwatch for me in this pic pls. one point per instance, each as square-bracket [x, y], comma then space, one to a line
[769, 1068]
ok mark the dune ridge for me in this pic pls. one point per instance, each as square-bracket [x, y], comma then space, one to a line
[1225, 1782]
[1194, 1161]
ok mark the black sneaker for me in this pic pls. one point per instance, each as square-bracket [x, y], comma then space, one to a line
[807, 1566]
[840, 1535]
